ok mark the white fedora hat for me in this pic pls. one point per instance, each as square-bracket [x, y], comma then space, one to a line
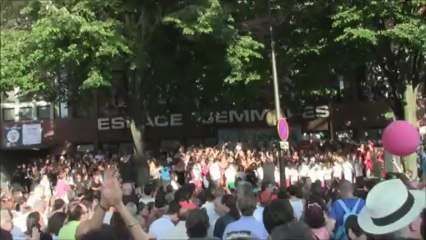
[390, 206]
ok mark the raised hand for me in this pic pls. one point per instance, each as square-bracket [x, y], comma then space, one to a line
[111, 193]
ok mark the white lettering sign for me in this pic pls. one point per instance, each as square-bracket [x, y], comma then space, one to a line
[311, 112]
[175, 119]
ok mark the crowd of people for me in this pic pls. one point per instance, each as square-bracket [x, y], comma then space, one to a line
[215, 193]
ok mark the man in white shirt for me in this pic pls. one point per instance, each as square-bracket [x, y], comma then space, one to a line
[213, 199]
[348, 170]
[214, 171]
[37, 195]
[166, 223]
[179, 230]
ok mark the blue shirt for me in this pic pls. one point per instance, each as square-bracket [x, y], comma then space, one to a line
[246, 227]
[165, 173]
[337, 213]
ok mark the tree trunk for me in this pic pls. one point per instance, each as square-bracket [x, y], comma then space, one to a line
[137, 130]
[410, 162]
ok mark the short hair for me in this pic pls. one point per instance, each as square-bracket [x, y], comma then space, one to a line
[346, 187]
[296, 230]
[174, 208]
[277, 213]
[292, 190]
[352, 224]
[58, 204]
[55, 223]
[75, 211]
[148, 189]
[244, 188]
[314, 216]
[247, 204]
[197, 223]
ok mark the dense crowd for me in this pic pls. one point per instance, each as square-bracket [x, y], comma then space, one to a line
[331, 192]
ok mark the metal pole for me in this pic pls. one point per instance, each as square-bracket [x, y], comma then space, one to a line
[276, 94]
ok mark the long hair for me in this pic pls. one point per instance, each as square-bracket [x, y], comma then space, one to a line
[33, 220]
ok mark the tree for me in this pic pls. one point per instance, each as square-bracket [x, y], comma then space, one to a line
[66, 49]
[385, 39]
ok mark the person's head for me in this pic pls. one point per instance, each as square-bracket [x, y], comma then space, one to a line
[127, 188]
[246, 204]
[173, 211]
[132, 208]
[277, 213]
[314, 216]
[59, 205]
[33, 221]
[6, 222]
[346, 189]
[55, 223]
[197, 223]
[295, 230]
[77, 212]
[266, 197]
[352, 229]
[244, 188]
[292, 191]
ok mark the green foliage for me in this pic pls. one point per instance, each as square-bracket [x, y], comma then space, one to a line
[183, 49]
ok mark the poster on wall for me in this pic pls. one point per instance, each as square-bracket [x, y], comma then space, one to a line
[12, 136]
[31, 134]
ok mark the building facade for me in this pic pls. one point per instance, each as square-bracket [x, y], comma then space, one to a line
[60, 126]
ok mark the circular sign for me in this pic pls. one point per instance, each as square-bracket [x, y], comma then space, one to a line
[13, 136]
[283, 130]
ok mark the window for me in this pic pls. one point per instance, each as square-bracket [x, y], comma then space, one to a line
[43, 112]
[8, 114]
[25, 113]
[61, 110]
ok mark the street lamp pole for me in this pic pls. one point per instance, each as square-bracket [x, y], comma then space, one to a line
[276, 93]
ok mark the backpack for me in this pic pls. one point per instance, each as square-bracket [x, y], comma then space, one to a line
[341, 233]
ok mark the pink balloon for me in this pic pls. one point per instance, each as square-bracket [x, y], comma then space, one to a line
[401, 138]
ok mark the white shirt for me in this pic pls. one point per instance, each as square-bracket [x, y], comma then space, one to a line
[107, 218]
[213, 217]
[17, 233]
[337, 171]
[327, 173]
[230, 174]
[161, 226]
[214, 171]
[294, 176]
[297, 205]
[177, 232]
[260, 173]
[304, 170]
[347, 171]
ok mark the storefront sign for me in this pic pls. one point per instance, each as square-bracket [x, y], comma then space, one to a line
[176, 119]
[313, 112]
[22, 135]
